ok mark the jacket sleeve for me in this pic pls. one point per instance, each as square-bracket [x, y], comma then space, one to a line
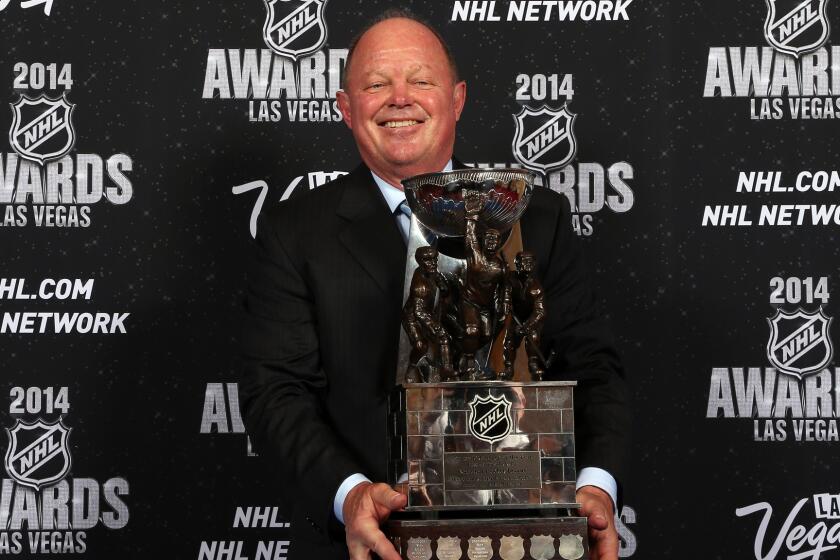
[283, 383]
[576, 331]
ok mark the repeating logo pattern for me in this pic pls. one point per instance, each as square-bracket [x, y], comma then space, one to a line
[544, 138]
[799, 342]
[38, 454]
[295, 28]
[42, 128]
[796, 27]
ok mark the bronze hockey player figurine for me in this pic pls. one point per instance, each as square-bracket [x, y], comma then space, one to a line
[483, 285]
[421, 321]
[524, 302]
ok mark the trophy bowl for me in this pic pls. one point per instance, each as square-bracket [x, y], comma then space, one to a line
[436, 198]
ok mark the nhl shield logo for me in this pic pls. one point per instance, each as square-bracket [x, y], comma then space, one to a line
[41, 128]
[796, 27]
[490, 418]
[38, 454]
[295, 28]
[544, 138]
[799, 342]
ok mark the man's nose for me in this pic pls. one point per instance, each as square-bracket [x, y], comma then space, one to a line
[401, 94]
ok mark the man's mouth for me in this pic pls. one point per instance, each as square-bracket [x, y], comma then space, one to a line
[399, 124]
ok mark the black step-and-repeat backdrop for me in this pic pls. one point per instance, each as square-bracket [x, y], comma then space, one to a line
[695, 141]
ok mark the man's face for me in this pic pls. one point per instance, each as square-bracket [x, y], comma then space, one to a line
[401, 101]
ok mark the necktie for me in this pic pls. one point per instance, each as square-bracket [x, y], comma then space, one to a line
[403, 215]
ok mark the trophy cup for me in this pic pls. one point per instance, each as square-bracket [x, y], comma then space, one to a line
[480, 445]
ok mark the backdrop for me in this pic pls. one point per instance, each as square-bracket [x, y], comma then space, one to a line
[693, 139]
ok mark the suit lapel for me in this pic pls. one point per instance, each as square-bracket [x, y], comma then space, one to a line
[372, 236]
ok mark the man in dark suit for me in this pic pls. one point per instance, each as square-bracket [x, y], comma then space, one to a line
[323, 310]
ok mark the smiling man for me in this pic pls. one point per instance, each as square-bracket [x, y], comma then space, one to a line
[324, 301]
[402, 98]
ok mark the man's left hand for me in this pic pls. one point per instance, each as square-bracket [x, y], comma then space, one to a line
[597, 506]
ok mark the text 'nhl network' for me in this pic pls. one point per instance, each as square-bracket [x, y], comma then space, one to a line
[541, 10]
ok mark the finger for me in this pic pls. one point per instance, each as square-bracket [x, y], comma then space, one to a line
[384, 495]
[597, 518]
[358, 550]
[605, 544]
[381, 546]
[594, 511]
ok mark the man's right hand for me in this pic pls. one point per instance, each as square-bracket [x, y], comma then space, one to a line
[366, 506]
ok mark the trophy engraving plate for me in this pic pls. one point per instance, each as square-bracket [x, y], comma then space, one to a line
[480, 548]
[570, 547]
[492, 471]
[542, 547]
[449, 548]
[508, 537]
[512, 548]
[419, 548]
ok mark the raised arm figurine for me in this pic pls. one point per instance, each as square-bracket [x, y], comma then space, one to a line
[483, 285]
[420, 318]
[524, 296]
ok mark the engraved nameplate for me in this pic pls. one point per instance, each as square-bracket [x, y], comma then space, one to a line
[570, 547]
[419, 548]
[491, 471]
[480, 548]
[449, 548]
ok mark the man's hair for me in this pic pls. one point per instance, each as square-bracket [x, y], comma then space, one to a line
[393, 13]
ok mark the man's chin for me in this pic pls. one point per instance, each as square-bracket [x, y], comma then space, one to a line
[414, 164]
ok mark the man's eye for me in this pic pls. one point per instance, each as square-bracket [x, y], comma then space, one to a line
[376, 86]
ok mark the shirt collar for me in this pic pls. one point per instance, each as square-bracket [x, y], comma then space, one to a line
[393, 195]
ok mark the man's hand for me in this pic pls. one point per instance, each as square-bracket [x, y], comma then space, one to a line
[366, 506]
[597, 506]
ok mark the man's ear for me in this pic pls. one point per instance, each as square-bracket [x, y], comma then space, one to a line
[344, 105]
[460, 97]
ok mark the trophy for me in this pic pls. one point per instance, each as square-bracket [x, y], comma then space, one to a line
[482, 447]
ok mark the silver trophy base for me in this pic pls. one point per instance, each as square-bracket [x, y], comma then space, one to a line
[483, 445]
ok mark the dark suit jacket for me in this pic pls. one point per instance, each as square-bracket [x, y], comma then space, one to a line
[321, 332]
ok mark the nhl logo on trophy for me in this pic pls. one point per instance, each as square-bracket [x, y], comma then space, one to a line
[490, 419]
[481, 445]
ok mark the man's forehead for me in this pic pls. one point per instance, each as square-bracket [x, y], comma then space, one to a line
[412, 56]
[409, 57]
[398, 36]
